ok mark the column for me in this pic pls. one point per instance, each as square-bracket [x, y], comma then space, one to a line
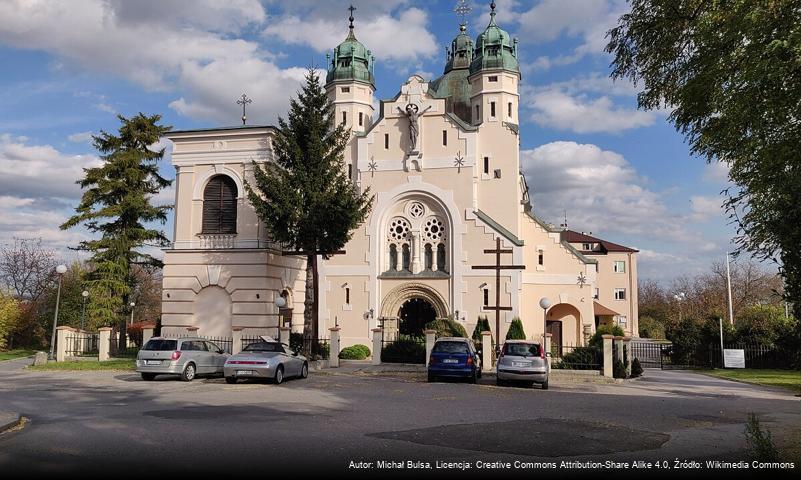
[619, 347]
[61, 342]
[548, 339]
[587, 333]
[607, 360]
[147, 333]
[283, 334]
[378, 335]
[431, 337]
[236, 340]
[415, 253]
[434, 257]
[628, 358]
[333, 352]
[104, 338]
[486, 351]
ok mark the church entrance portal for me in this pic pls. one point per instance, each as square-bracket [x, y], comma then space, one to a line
[414, 314]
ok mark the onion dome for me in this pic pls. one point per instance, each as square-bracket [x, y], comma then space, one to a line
[461, 53]
[352, 61]
[495, 49]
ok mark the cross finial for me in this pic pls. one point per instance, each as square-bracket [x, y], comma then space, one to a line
[352, 9]
[244, 101]
[462, 9]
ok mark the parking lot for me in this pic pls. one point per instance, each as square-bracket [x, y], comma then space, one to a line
[101, 420]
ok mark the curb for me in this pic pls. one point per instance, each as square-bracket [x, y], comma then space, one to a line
[15, 359]
[13, 424]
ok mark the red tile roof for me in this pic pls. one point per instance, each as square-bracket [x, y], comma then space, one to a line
[575, 237]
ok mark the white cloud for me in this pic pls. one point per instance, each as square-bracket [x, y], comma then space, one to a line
[717, 172]
[403, 38]
[576, 106]
[80, 137]
[705, 208]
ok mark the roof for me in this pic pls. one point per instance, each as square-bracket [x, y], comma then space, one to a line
[215, 129]
[499, 228]
[606, 246]
[601, 310]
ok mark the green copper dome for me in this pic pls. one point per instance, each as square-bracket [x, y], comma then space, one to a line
[461, 53]
[494, 49]
[351, 61]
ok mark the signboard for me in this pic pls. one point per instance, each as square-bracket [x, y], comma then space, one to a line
[733, 358]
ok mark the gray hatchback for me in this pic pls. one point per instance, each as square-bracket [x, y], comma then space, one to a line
[187, 357]
[522, 361]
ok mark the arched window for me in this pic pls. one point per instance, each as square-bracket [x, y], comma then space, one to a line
[441, 257]
[219, 205]
[429, 257]
[406, 257]
[393, 257]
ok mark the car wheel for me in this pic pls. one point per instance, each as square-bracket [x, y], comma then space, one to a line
[189, 372]
[230, 380]
[304, 370]
[545, 385]
[431, 378]
[500, 382]
[148, 376]
[279, 375]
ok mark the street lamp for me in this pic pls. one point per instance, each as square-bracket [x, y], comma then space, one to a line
[280, 302]
[545, 304]
[85, 295]
[132, 305]
[681, 296]
[60, 270]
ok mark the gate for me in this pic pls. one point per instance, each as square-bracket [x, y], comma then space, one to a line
[81, 344]
[649, 354]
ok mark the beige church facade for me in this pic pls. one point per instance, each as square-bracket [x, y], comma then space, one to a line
[443, 160]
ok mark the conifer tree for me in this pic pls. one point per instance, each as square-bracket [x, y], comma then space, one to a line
[116, 204]
[515, 331]
[305, 197]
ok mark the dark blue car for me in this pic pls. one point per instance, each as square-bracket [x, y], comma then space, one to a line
[454, 357]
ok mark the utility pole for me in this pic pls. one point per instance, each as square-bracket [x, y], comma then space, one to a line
[728, 281]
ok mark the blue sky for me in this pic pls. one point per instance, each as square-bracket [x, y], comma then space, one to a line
[69, 67]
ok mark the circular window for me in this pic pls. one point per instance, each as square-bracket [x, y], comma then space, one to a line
[434, 229]
[399, 229]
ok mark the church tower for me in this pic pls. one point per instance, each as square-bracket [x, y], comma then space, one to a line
[350, 85]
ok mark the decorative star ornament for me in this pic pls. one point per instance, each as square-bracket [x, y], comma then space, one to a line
[458, 162]
[372, 166]
[582, 280]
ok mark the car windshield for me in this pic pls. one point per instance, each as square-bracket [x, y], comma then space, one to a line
[521, 349]
[264, 347]
[160, 345]
[450, 347]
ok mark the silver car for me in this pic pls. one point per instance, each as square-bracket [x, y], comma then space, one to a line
[266, 359]
[523, 361]
[187, 357]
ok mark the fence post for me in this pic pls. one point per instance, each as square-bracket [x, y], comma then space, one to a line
[628, 358]
[61, 342]
[283, 334]
[619, 348]
[486, 351]
[431, 337]
[236, 340]
[378, 336]
[608, 355]
[333, 347]
[103, 340]
[147, 333]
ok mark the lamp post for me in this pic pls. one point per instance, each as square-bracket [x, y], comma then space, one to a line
[681, 296]
[132, 305]
[280, 302]
[545, 304]
[85, 295]
[60, 270]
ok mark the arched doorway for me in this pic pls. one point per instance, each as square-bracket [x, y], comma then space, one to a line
[414, 314]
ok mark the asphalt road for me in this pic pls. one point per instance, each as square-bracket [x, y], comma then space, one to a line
[103, 422]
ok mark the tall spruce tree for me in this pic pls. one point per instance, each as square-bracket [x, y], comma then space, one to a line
[116, 204]
[305, 197]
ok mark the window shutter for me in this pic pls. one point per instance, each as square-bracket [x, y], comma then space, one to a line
[219, 205]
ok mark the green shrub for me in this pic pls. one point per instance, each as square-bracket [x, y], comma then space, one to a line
[483, 325]
[515, 331]
[355, 352]
[581, 358]
[618, 369]
[447, 327]
[760, 444]
[321, 351]
[650, 328]
[763, 324]
[688, 343]
[605, 329]
[296, 341]
[636, 368]
[405, 349]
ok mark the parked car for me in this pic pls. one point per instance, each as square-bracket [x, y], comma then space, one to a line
[266, 359]
[187, 357]
[454, 357]
[523, 361]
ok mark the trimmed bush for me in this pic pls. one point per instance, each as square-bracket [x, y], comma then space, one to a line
[406, 349]
[581, 358]
[483, 325]
[515, 331]
[355, 352]
[618, 369]
[447, 327]
[636, 368]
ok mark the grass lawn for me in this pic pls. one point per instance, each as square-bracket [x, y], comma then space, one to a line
[18, 353]
[123, 364]
[790, 379]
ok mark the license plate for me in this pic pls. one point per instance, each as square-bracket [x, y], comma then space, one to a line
[521, 364]
[244, 372]
[450, 360]
[153, 362]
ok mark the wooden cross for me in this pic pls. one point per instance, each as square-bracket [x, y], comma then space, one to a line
[498, 267]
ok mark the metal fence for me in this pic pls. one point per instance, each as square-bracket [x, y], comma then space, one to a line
[404, 349]
[114, 350]
[576, 357]
[321, 348]
[81, 344]
[225, 343]
[649, 354]
[756, 355]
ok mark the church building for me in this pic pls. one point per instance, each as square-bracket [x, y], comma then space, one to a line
[452, 231]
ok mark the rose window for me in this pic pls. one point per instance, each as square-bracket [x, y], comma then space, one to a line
[434, 229]
[399, 229]
[416, 210]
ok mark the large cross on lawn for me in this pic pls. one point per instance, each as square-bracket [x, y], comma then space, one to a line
[498, 267]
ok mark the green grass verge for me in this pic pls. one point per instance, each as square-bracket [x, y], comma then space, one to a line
[124, 364]
[18, 353]
[789, 379]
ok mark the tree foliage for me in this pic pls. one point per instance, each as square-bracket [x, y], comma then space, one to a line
[116, 205]
[515, 331]
[10, 313]
[305, 197]
[730, 74]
